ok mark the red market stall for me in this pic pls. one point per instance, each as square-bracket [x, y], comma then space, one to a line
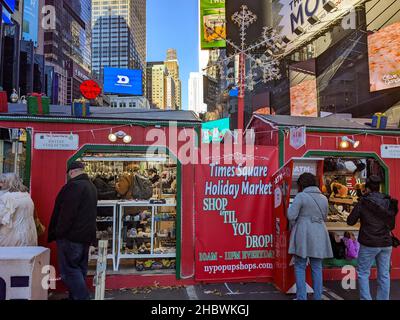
[145, 237]
[350, 151]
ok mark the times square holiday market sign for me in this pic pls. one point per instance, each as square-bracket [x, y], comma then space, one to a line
[234, 230]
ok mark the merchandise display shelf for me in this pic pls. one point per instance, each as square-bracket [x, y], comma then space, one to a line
[153, 208]
[114, 205]
[341, 226]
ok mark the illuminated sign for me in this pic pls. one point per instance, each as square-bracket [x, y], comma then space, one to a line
[123, 81]
[212, 24]
[384, 58]
[304, 19]
[214, 131]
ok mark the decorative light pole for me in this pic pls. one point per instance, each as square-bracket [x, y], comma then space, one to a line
[264, 64]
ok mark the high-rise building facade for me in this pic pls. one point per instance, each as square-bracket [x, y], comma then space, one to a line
[119, 35]
[170, 93]
[67, 49]
[156, 84]
[21, 48]
[172, 65]
[196, 103]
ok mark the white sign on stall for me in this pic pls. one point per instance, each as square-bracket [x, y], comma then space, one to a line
[390, 151]
[298, 137]
[47, 141]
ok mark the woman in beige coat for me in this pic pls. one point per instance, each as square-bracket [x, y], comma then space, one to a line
[17, 224]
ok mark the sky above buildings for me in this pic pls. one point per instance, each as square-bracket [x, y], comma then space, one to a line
[173, 24]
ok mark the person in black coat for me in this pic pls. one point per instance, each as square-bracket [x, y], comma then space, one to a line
[376, 213]
[73, 227]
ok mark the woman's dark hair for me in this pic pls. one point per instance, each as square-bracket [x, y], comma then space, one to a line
[373, 183]
[306, 180]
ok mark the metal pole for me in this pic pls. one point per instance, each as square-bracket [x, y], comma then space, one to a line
[242, 75]
[100, 278]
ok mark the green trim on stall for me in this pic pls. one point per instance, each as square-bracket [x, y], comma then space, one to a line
[355, 131]
[28, 164]
[105, 148]
[199, 137]
[143, 123]
[281, 146]
[352, 154]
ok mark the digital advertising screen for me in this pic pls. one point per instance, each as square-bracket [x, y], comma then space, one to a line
[212, 24]
[123, 81]
[384, 58]
[303, 89]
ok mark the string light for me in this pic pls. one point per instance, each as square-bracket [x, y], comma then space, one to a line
[112, 137]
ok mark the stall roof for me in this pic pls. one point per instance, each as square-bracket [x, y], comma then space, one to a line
[332, 122]
[20, 110]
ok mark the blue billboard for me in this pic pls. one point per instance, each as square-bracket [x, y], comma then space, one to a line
[123, 81]
[31, 21]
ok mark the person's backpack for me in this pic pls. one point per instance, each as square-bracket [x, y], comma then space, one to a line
[141, 188]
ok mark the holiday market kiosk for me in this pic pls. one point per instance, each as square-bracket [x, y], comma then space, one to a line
[350, 151]
[150, 236]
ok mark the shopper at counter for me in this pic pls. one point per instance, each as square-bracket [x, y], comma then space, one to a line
[73, 226]
[17, 224]
[309, 238]
[376, 212]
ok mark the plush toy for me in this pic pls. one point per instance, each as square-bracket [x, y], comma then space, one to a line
[339, 190]
[360, 188]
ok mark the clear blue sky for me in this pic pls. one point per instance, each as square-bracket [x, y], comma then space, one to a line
[173, 24]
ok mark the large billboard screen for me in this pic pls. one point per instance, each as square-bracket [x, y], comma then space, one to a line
[301, 20]
[212, 24]
[384, 58]
[123, 81]
[303, 89]
[31, 21]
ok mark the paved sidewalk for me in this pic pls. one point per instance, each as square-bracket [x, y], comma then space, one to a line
[231, 291]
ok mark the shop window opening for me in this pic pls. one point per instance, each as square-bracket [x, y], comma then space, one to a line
[343, 183]
[137, 210]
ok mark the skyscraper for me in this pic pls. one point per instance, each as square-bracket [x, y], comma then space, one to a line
[196, 103]
[172, 65]
[156, 84]
[22, 49]
[119, 35]
[170, 93]
[67, 49]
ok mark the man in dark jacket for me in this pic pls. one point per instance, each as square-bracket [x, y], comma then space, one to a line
[73, 226]
[376, 213]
